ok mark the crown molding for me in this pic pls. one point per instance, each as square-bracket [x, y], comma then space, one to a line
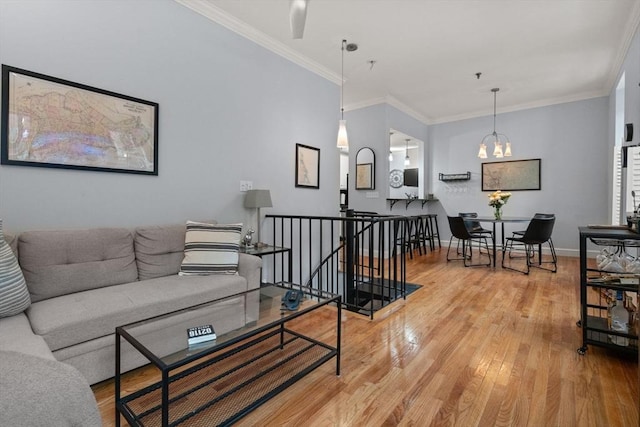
[392, 101]
[527, 106]
[219, 16]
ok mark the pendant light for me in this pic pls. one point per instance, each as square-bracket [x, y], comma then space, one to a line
[390, 156]
[497, 138]
[343, 140]
[407, 161]
[390, 142]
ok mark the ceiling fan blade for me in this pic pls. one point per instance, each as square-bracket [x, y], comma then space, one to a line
[297, 17]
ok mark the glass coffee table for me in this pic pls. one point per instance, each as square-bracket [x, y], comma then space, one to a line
[220, 381]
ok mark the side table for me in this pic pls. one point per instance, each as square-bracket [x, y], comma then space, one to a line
[272, 250]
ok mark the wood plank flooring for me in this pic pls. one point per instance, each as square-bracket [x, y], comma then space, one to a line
[472, 347]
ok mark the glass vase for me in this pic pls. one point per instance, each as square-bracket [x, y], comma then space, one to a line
[497, 213]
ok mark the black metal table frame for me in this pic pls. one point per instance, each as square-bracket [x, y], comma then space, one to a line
[272, 250]
[121, 409]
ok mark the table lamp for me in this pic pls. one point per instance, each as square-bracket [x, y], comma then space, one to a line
[258, 199]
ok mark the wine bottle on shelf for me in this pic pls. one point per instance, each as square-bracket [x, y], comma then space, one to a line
[619, 321]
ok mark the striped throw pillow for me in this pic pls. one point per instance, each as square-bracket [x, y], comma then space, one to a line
[210, 249]
[14, 295]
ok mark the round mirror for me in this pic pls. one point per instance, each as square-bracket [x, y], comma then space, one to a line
[365, 169]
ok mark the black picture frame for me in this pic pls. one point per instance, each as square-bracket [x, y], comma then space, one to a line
[512, 175]
[54, 123]
[307, 166]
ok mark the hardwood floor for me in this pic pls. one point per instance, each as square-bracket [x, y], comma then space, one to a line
[472, 347]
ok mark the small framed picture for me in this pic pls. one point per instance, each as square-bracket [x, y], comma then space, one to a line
[307, 166]
[364, 176]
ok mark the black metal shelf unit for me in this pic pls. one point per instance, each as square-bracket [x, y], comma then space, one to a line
[596, 287]
[449, 177]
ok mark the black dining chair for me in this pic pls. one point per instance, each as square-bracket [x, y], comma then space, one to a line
[520, 233]
[537, 233]
[459, 231]
[474, 226]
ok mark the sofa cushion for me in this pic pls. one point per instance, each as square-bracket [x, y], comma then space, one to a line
[211, 249]
[63, 262]
[16, 335]
[159, 250]
[14, 296]
[75, 318]
[42, 392]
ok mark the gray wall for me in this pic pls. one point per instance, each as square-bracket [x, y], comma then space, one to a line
[229, 111]
[631, 66]
[571, 141]
[369, 127]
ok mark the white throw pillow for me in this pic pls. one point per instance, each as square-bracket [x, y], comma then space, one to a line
[210, 249]
[14, 295]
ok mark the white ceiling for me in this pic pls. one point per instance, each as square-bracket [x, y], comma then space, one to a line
[538, 52]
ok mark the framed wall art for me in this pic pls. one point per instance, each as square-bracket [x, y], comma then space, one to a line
[365, 169]
[55, 123]
[364, 176]
[513, 175]
[307, 166]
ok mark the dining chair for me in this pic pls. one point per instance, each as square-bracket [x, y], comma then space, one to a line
[474, 226]
[520, 233]
[460, 231]
[537, 233]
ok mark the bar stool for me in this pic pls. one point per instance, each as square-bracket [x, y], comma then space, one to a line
[414, 235]
[432, 230]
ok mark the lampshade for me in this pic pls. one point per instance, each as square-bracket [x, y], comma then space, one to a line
[507, 150]
[258, 199]
[407, 160]
[497, 150]
[482, 153]
[343, 140]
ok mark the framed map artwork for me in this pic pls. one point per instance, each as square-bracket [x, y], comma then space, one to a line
[49, 122]
[307, 166]
[513, 175]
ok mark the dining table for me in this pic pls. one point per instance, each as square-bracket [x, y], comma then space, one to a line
[502, 221]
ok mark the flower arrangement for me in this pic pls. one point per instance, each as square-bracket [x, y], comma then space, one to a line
[497, 200]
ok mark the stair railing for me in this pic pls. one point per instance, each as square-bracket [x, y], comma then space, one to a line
[360, 256]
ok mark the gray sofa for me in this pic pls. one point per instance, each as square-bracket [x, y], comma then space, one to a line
[84, 283]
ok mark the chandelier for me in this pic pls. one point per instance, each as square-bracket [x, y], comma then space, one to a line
[499, 139]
